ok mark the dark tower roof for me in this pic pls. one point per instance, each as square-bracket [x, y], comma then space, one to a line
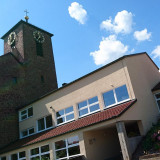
[23, 22]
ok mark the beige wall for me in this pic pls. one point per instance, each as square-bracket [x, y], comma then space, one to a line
[144, 76]
[102, 144]
[94, 85]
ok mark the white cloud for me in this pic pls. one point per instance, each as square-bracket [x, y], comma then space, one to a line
[122, 23]
[142, 35]
[77, 12]
[109, 49]
[156, 52]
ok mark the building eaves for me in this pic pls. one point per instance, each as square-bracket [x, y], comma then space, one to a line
[20, 22]
[68, 84]
[156, 87]
[87, 121]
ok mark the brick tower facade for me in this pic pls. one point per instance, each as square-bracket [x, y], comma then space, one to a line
[27, 71]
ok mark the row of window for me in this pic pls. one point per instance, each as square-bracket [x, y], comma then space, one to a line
[64, 149]
[112, 97]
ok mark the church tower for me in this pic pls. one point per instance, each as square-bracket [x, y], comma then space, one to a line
[27, 73]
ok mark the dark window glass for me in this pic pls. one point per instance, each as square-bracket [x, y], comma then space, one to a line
[60, 144]
[93, 100]
[42, 79]
[22, 154]
[24, 133]
[45, 157]
[44, 148]
[82, 104]
[94, 108]
[69, 117]
[121, 93]
[60, 113]
[31, 131]
[35, 158]
[30, 112]
[158, 103]
[24, 117]
[60, 120]
[74, 150]
[39, 49]
[157, 95]
[41, 125]
[14, 79]
[14, 157]
[49, 121]
[83, 112]
[69, 109]
[35, 151]
[61, 153]
[109, 98]
[73, 140]
[3, 158]
[23, 112]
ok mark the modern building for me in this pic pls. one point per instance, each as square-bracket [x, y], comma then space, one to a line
[100, 116]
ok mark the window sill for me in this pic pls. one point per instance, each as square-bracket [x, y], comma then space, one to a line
[89, 113]
[25, 119]
[115, 104]
[45, 129]
[65, 122]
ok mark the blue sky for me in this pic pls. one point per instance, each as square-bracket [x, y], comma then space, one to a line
[89, 33]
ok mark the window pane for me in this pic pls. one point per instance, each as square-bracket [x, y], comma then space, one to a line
[60, 120]
[30, 112]
[61, 153]
[83, 112]
[93, 100]
[35, 158]
[73, 140]
[14, 157]
[23, 117]
[60, 144]
[157, 95]
[109, 98]
[74, 150]
[49, 121]
[24, 133]
[121, 93]
[22, 154]
[69, 117]
[35, 151]
[69, 109]
[82, 104]
[45, 157]
[94, 108]
[60, 113]
[41, 124]
[31, 131]
[23, 112]
[44, 148]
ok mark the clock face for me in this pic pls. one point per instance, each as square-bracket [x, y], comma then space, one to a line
[38, 36]
[11, 38]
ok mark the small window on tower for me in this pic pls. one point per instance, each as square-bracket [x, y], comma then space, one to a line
[39, 49]
[42, 79]
[14, 80]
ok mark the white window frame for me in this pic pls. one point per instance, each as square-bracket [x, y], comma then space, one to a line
[44, 124]
[66, 148]
[88, 106]
[27, 132]
[20, 115]
[64, 116]
[24, 158]
[40, 154]
[116, 101]
[157, 100]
